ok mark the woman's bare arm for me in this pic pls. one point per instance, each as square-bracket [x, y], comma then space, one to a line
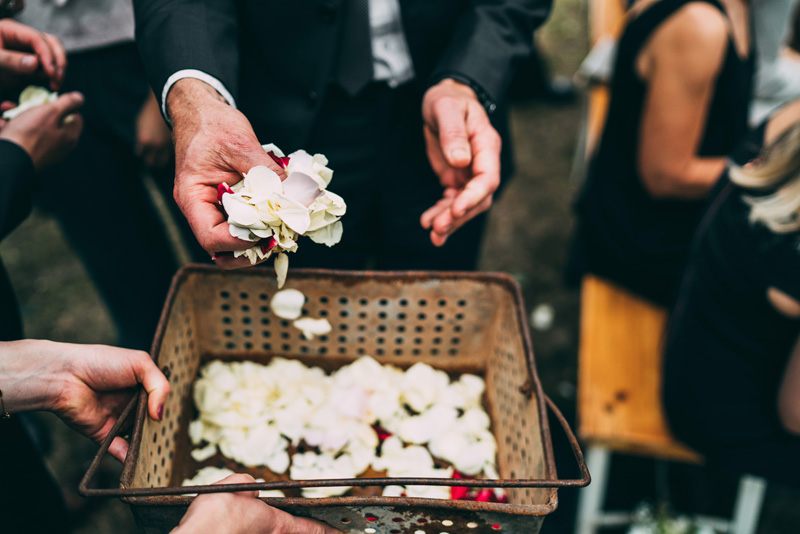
[681, 64]
[789, 394]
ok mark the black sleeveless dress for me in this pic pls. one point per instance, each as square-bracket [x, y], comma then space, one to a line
[624, 234]
[727, 347]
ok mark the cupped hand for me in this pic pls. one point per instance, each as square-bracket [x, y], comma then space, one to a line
[464, 151]
[242, 512]
[47, 132]
[26, 52]
[214, 143]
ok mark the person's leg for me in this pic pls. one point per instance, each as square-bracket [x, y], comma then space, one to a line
[100, 201]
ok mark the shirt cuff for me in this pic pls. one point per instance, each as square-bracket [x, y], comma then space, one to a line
[197, 75]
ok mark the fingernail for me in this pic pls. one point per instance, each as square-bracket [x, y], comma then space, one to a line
[28, 61]
[213, 257]
[459, 154]
[160, 411]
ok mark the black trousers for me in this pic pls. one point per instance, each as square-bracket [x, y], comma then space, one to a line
[375, 145]
[99, 199]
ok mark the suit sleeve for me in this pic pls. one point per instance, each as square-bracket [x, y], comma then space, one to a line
[16, 186]
[176, 35]
[489, 39]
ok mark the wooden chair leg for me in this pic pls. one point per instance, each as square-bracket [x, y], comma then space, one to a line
[592, 497]
[748, 505]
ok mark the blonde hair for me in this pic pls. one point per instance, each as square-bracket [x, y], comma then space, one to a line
[778, 166]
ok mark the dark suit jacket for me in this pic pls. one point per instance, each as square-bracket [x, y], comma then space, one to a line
[277, 56]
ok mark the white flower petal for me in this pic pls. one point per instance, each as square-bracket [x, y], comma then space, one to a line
[240, 212]
[204, 453]
[294, 215]
[312, 328]
[281, 268]
[262, 182]
[288, 304]
[328, 235]
[271, 147]
[301, 188]
[242, 233]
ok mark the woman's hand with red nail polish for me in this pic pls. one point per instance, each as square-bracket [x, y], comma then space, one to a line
[86, 385]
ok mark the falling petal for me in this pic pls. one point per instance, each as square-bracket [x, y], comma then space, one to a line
[313, 327]
[288, 304]
[281, 268]
[328, 235]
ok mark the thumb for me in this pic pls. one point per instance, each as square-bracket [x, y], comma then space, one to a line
[451, 122]
[67, 104]
[153, 381]
[18, 62]
[254, 156]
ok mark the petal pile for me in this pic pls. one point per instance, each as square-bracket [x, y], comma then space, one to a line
[274, 214]
[211, 475]
[289, 417]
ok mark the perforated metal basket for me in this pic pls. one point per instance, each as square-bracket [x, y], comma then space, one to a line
[457, 322]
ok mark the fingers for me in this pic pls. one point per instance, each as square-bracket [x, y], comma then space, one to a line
[153, 381]
[23, 37]
[445, 224]
[486, 145]
[118, 449]
[240, 478]
[60, 56]
[18, 62]
[450, 115]
[209, 224]
[67, 104]
[228, 262]
[427, 218]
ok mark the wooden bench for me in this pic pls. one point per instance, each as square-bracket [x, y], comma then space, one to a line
[620, 362]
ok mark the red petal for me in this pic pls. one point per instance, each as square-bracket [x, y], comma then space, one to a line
[458, 493]
[268, 244]
[501, 498]
[283, 162]
[383, 434]
[485, 495]
[221, 190]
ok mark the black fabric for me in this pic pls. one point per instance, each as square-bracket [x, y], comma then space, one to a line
[16, 183]
[280, 75]
[727, 347]
[354, 69]
[98, 196]
[623, 233]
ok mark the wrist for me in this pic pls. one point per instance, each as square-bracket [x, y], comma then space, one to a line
[188, 97]
[32, 375]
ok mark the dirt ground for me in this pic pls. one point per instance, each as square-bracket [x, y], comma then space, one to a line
[528, 235]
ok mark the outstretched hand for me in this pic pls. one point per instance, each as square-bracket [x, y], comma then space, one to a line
[214, 143]
[464, 151]
[86, 385]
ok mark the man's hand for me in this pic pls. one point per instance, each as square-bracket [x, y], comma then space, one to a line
[464, 151]
[153, 139]
[214, 143]
[243, 513]
[26, 52]
[86, 385]
[47, 132]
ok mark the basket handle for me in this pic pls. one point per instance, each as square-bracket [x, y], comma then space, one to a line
[577, 452]
[86, 491]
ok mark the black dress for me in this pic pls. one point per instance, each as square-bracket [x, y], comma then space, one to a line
[727, 347]
[624, 234]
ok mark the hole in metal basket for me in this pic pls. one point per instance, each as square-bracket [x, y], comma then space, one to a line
[472, 524]
[371, 518]
[344, 521]
[243, 295]
[224, 294]
[497, 526]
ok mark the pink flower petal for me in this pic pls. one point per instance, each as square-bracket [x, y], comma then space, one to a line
[485, 495]
[221, 190]
[282, 161]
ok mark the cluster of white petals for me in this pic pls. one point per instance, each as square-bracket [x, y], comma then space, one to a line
[275, 214]
[30, 97]
[254, 414]
[211, 475]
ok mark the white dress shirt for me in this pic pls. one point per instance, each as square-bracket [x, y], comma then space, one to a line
[391, 58]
